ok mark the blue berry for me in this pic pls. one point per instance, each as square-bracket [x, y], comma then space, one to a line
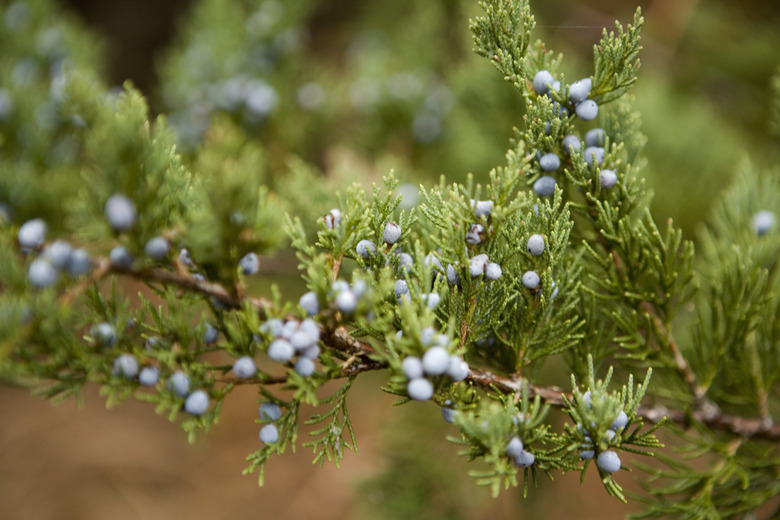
[515, 447]
[482, 208]
[620, 421]
[435, 361]
[457, 369]
[763, 221]
[452, 275]
[210, 335]
[269, 412]
[42, 273]
[477, 265]
[58, 253]
[593, 154]
[420, 389]
[311, 329]
[595, 137]
[149, 376]
[244, 367]
[608, 178]
[269, 434]
[310, 303]
[289, 329]
[492, 271]
[120, 212]
[125, 365]
[542, 81]
[587, 110]
[179, 384]
[391, 233]
[400, 288]
[121, 257]
[432, 300]
[157, 248]
[448, 414]
[273, 327]
[304, 366]
[186, 258]
[531, 280]
[197, 403]
[104, 333]
[535, 244]
[405, 263]
[571, 143]
[475, 234]
[549, 162]
[333, 219]
[544, 186]
[281, 351]
[431, 260]
[32, 234]
[249, 264]
[427, 335]
[346, 302]
[525, 459]
[608, 461]
[365, 249]
[579, 90]
[587, 454]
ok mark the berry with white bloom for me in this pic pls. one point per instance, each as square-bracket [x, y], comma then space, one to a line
[32, 234]
[452, 275]
[104, 333]
[493, 271]
[587, 110]
[579, 90]
[244, 367]
[185, 258]
[179, 384]
[400, 288]
[249, 264]
[608, 461]
[269, 412]
[78, 262]
[549, 162]
[525, 459]
[305, 366]
[515, 447]
[197, 403]
[531, 280]
[125, 365]
[482, 208]
[281, 351]
[595, 137]
[448, 414]
[427, 335]
[210, 335]
[435, 361]
[587, 454]
[475, 234]
[405, 262]
[545, 186]
[149, 376]
[309, 303]
[42, 273]
[333, 219]
[412, 367]
[571, 143]
[763, 222]
[535, 244]
[269, 434]
[58, 253]
[477, 265]
[620, 421]
[365, 249]
[608, 178]
[432, 300]
[121, 257]
[457, 369]
[420, 389]
[391, 233]
[542, 81]
[273, 327]
[346, 302]
[593, 154]
[157, 248]
[120, 212]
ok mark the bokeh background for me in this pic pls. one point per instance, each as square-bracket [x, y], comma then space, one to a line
[356, 89]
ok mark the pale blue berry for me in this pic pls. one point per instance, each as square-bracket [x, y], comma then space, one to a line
[435, 361]
[391, 233]
[420, 389]
[542, 81]
[452, 275]
[432, 300]
[535, 244]
[42, 273]
[244, 367]
[544, 186]
[333, 219]
[249, 264]
[311, 329]
[405, 263]
[579, 90]
[530, 280]
[608, 178]
[549, 162]
[763, 221]
[477, 265]
[281, 351]
[448, 414]
[121, 257]
[32, 234]
[609, 435]
[593, 154]
[269, 412]
[312, 352]
[457, 369]
[125, 365]
[359, 288]
[365, 249]
[412, 367]
[120, 212]
[346, 302]
[482, 208]
[571, 143]
[608, 461]
[272, 327]
[475, 234]
[149, 376]
[179, 384]
[620, 421]
[186, 258]
[515, 447]
[493, 271]
[587, 110]
[157, 248]
[301, 340]
[58, 253]
[289, 329]
[525, 459]
[210, 335]
[587, 454]
[595, 137]
[269, 434]
[304, 366]
[104, 333]
[400, 288]
[197, 403]
[427, 335]
[310, 303]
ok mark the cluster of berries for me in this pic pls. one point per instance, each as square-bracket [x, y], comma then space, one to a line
[269, 433]
[607, 460]
[44, 270]
[516, 451]
[121, 214]
[292, 338]
[436, 361]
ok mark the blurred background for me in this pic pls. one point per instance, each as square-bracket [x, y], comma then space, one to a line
[356, 89]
